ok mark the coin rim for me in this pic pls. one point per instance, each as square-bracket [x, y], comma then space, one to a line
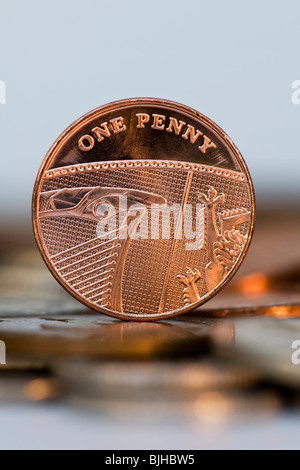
[114, 105]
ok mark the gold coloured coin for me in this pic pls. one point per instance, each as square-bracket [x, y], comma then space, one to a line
[143, 209]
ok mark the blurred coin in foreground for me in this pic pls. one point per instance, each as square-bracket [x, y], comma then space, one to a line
[271, 345]
[89, 335]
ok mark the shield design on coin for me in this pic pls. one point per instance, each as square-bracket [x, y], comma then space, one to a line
[94, 267]
[153, 153]
[121, 273]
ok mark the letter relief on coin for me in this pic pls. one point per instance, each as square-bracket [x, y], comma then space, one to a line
[143, 209]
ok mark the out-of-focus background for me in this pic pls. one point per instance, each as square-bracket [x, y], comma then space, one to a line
[233, 61]
[238, 63]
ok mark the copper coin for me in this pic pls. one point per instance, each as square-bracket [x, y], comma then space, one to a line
[143, 209]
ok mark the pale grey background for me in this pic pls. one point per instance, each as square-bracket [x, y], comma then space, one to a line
[61, 427]
[233, 61]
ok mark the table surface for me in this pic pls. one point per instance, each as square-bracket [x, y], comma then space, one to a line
[63, 425]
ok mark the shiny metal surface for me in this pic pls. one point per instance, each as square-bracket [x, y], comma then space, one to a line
[155, 153]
